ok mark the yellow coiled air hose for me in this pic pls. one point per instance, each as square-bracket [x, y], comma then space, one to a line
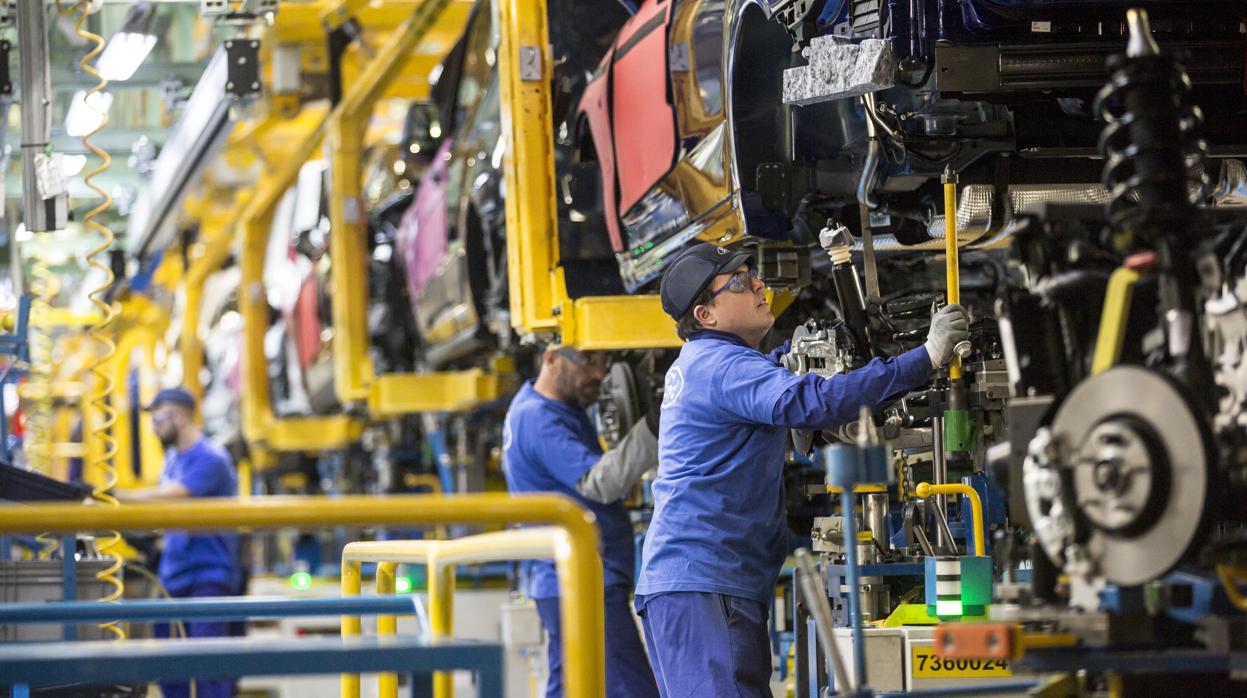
[101, 460]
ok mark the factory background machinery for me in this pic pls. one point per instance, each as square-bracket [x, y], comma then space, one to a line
[347, 227]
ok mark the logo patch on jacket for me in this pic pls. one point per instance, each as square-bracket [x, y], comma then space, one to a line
[672, 386]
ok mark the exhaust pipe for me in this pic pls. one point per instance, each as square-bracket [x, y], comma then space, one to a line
[982, 217]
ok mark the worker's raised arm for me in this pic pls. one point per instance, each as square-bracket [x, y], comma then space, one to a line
[821, 403]
[597, 476]
[620, 468]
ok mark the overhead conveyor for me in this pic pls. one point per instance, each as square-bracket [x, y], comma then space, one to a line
[540, 305]
[261, 426]
[192, 144]
[385, 395]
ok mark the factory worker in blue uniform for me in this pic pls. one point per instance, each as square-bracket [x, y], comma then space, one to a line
[718, 537]
[550, 445]
[202, 564]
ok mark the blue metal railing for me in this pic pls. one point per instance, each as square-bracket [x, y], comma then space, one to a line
[141, 661]
[225, 608]
[23, 664]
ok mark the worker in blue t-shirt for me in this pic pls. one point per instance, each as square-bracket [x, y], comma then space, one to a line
[203, 564]
[550, 445]
[718, 537]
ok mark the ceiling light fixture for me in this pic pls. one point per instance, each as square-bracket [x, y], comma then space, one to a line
[87, 112]
[124, 54]
[73, 164]
[130, 45]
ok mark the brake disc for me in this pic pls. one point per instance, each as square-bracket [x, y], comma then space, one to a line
[619, 404]
[1135, 465]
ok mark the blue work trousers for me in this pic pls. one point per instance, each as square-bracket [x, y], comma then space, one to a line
[628, 674]
[708, 645]
[204, 688]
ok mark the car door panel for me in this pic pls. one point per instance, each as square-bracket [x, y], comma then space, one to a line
[595, 105]
[422, 234]
[642, 117]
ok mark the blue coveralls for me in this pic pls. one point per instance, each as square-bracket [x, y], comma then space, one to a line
[718, 537]
[200, 564]
[548, 446]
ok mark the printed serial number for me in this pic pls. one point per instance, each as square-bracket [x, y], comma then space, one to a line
[927, 665]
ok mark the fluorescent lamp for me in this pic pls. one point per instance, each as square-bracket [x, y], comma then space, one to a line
[125, 52]
[72, 165]
[86, 114]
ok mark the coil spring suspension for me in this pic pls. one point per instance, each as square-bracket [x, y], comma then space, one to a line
[1155, 157]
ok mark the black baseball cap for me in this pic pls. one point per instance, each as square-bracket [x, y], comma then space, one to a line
[691, 272]
[173, 396]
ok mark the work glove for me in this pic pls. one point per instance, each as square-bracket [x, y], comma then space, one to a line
[949, 326]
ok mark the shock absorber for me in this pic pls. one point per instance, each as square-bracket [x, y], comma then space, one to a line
[1154, 171]
[836, 242]
[1154, 155]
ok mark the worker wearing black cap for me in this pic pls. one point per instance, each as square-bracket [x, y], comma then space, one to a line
[718, 537]
[203, 564]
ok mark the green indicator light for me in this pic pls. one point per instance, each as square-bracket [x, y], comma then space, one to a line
[947, 608]
[642, 248]
[301, 581]
[402, 585]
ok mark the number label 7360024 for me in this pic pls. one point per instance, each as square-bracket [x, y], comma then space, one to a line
[927, 665]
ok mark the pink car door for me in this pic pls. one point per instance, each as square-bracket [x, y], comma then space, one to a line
[422, 233]
[642, 119]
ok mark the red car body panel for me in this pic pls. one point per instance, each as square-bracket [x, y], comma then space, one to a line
[596, 108]
[306, 321]
[644, 121]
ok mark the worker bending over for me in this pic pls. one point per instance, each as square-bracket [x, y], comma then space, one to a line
[204, 564]
[718, 537]
[550, 445]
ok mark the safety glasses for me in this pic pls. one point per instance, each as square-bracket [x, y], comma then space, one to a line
[741, 282]
[593, 359]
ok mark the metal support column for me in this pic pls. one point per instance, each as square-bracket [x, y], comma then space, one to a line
[939, 476]
[69, 578]
[44, 208]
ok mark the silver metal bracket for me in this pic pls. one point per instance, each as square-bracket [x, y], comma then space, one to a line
[530, 63]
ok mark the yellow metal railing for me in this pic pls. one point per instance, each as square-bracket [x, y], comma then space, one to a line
[925, 490]
[580, 576]
[440, 558]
